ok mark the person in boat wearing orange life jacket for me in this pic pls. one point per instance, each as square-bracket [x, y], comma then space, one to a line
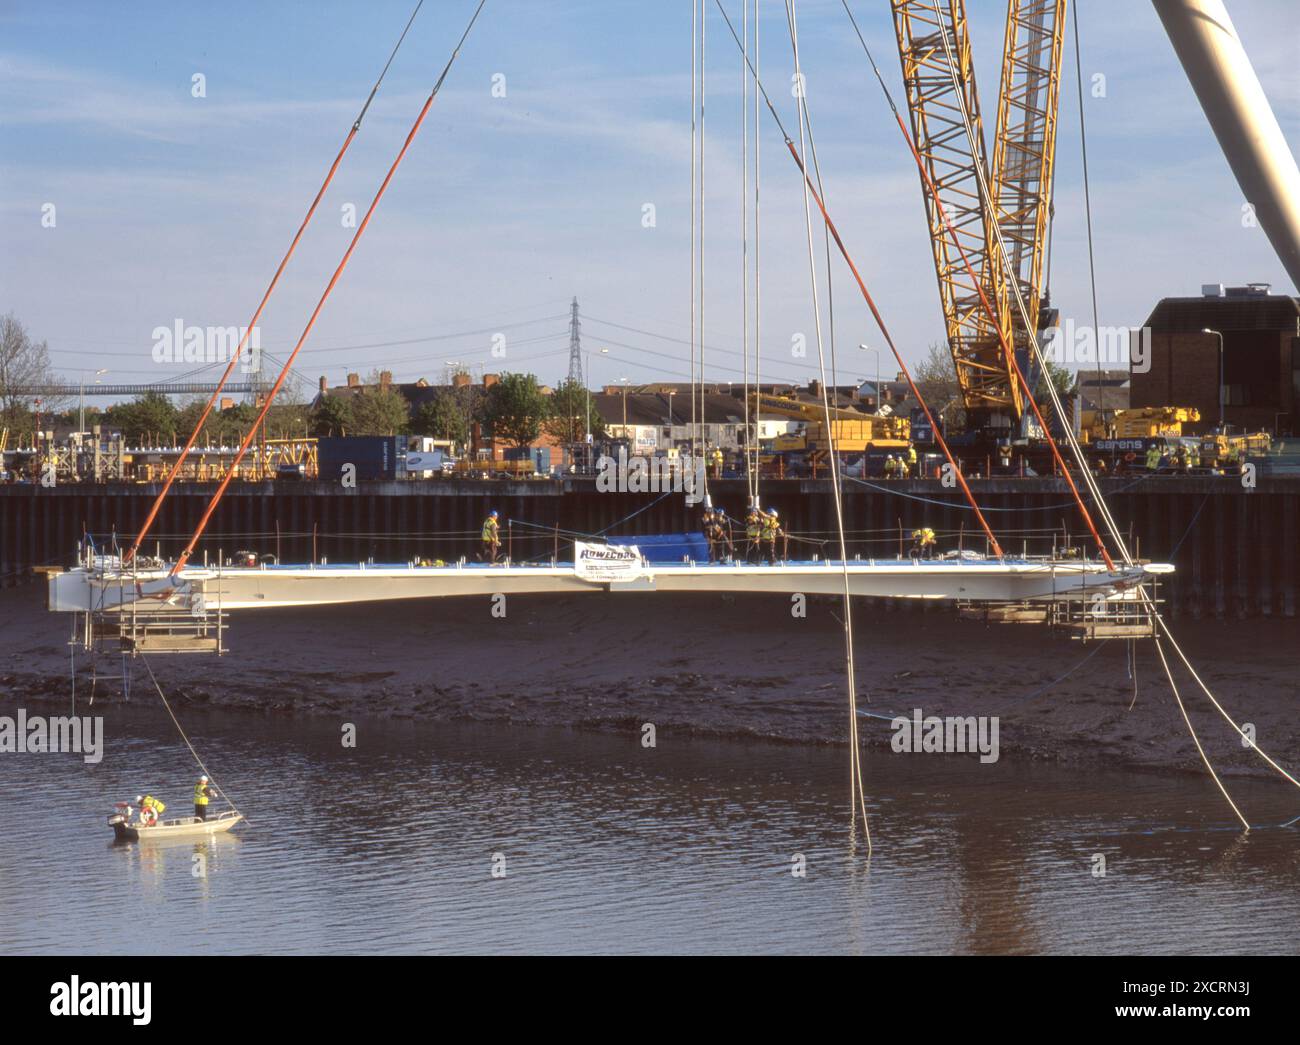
[151, 810]
[491, 538]
[202, 794]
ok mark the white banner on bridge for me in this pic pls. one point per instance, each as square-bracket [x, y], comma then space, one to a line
[604, 563]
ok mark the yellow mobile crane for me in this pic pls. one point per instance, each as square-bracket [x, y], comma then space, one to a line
[853, 431]
[1019, 177]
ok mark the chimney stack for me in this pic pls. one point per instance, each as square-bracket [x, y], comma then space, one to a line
[324, 385]
[385, 379]
[460, 380]
[354, 380]
[490, 379]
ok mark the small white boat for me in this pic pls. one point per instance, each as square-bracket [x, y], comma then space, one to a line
[126, 830]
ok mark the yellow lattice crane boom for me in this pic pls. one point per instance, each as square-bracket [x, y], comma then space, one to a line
[1024, 151]
[1018, 174]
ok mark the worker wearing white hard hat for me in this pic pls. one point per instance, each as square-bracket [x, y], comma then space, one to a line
[202, 793]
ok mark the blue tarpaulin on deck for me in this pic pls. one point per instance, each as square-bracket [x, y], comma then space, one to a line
[668, 547]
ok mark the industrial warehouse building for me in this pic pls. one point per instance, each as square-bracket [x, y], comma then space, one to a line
[1261, 358]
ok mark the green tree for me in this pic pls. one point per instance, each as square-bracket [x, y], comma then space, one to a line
[569, 409]
[287, 419]
[936, 379]
[21, 423]
[443, 417]
[188, 416]
[22, 362]
[332, 416]
[380, 410]
[515, 408]
[1062, 378]
[232, 424]
[148, 418]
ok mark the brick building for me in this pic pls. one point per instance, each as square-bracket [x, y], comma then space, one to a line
[1261, 358]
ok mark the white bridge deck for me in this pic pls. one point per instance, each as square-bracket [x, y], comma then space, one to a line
[200, 589]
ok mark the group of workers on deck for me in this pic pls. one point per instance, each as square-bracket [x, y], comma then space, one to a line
[901, 465]
[762, 529]
[1182, 457]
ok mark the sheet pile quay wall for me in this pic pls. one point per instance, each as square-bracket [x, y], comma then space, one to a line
[1235, 550]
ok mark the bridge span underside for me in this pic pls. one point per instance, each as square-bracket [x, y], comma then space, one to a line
[199, 590]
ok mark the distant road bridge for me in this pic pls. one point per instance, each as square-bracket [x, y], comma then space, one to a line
[174, 388]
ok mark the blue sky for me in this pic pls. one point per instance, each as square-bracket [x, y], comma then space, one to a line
[173, 207]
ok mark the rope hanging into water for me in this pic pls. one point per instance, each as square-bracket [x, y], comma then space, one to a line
[347, 256]
[176, 722]
[266, 296]
[857, 789]
[1195, 739]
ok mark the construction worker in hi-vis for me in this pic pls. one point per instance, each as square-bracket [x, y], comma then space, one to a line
[491, 538]
[753, 535]
[771, 531]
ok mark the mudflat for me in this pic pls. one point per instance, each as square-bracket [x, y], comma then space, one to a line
[707, 665]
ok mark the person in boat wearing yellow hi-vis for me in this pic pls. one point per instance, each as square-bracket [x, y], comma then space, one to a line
[202, 794]
[491, 538]
[151, 810]
[923, 542]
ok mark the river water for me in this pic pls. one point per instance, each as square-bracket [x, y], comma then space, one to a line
[607, 846]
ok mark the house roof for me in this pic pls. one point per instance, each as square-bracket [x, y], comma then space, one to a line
[1251, 312]
[1107, 377]
[660, 408]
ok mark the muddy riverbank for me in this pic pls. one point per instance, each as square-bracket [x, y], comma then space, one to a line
[707, 666]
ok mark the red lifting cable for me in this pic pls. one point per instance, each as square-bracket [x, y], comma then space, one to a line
[943, 443]
[230, 367]
[356, 236]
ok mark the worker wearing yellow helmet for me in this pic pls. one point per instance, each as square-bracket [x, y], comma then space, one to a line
[923, 542]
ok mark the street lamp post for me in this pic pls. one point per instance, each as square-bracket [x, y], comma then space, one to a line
[1207, 330]
[868, 348]
[81, 410]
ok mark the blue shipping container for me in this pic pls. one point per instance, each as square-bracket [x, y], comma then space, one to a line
[372, 456]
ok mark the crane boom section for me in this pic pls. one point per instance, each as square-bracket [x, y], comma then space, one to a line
[1024, 146]
[984, 372]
